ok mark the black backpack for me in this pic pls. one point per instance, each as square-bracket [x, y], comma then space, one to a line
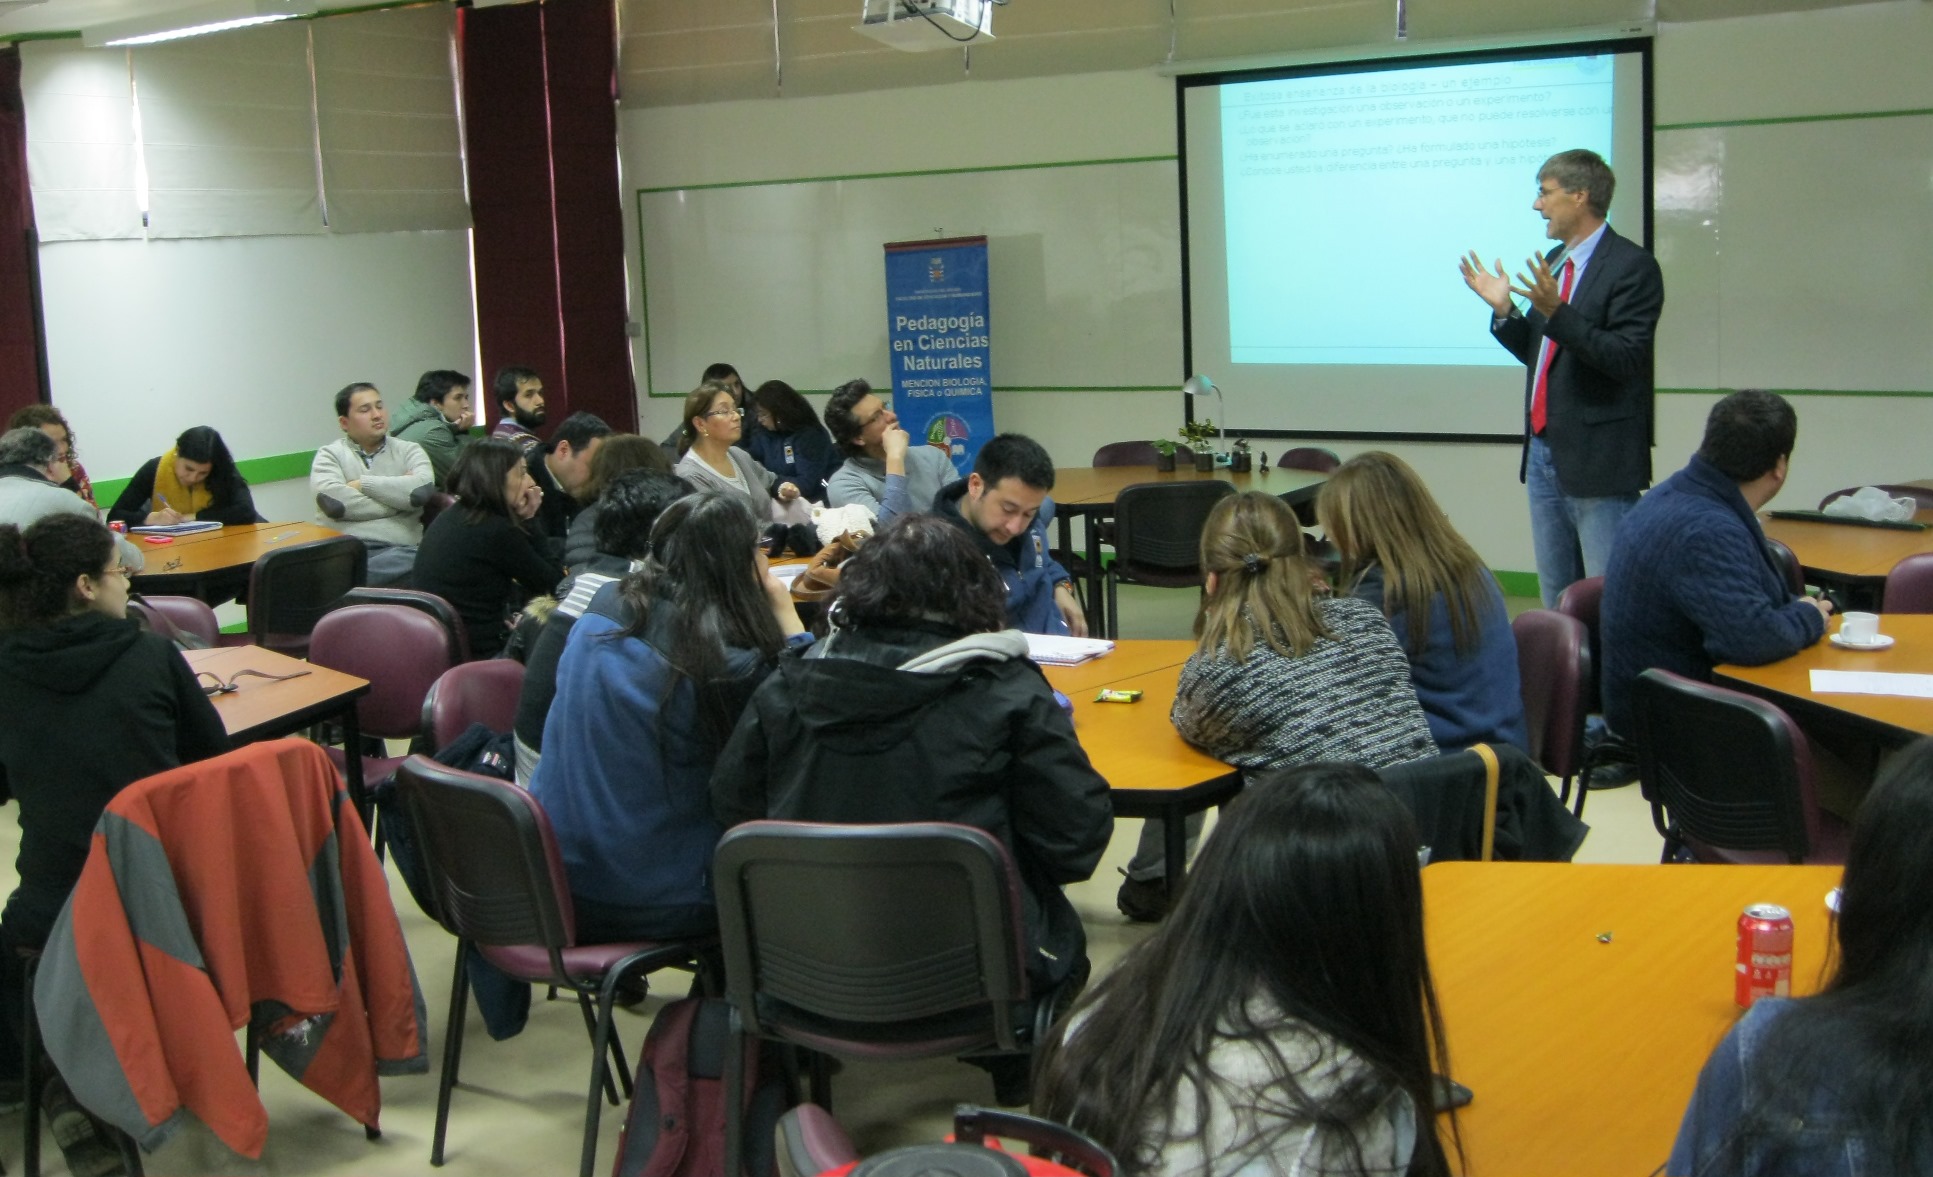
[676, 1124]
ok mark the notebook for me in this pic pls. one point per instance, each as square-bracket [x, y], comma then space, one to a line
[1050, 650]
[188, 528]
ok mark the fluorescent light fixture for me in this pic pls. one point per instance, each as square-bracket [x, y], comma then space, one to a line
[193, 21]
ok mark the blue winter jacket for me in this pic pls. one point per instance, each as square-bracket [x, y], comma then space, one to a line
[805, 458]
[1023, 562]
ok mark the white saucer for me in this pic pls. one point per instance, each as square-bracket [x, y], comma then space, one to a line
[1832, 901]
[1879, 642]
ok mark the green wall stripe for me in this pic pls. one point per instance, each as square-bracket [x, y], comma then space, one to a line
[255, 472]
[1871, 392]
[1794, 118]
[1517, 584]
[1004, 167]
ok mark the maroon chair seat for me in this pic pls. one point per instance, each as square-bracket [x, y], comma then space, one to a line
[1909, 586]
[401, 651]
[497, 882]
[1157, 537]
[1554, 669]
[1728, 775]
[444, 612]
[475, 692]
[1309, 457]
[1126, 453]
[178, 618]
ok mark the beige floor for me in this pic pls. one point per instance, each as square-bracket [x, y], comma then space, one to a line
[520, 1107]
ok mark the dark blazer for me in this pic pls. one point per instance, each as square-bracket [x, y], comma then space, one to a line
[1598, 421]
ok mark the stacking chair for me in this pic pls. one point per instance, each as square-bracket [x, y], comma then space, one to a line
[438, 502]
[811, 1142]
[186, 620]
[1729, 776]
[1788, 563]
[1309, 457]
[290, 589]
[444, 612]
[1080, 564]
[1922, 495]
[1126, 453]
[476, 692]
[401, 651]
[1909, 586]
[1554, 670]
[897, 941]
[1157, 537]
[497, 881]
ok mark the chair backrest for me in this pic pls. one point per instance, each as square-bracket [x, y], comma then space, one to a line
[290, 588]
[1076, 1150]
[1788, 562]
[400, 650]
[1584, 599]
[1309, 457]
[1730, 770]
[496, 877]
[476, 692]
[1554, 668]
[1909, 586]
[858, 931]
[1126, 453]
[1158, 524]
[176, 618]
[438, 502]
[1922, 496]
[429, 603]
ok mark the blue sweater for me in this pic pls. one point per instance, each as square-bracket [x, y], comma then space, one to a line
[1691, 584]
[805, 458]
[1473, 698]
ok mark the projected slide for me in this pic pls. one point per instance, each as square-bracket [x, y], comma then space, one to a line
[1348, 197]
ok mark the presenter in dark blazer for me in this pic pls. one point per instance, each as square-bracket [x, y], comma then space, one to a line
[1586, 344]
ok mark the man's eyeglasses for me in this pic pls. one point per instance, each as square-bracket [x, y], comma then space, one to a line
[726, 413]
[885, 407]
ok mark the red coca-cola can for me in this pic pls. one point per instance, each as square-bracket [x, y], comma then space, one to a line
[118, 527]
[1764, 953]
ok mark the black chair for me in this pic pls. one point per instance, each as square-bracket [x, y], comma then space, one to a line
[429, 603]
[889, 941]
[1157, 537]
[1788, 562]
[1729, 776]
[289, 590]
[497, 882]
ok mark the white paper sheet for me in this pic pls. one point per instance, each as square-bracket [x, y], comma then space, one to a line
[787, 573]
[1871, 682]
[1051, 650]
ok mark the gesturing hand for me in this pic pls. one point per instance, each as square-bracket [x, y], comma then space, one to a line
[1493, 288]
[1540, 288]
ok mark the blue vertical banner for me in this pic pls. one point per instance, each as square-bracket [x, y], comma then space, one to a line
[936, 320]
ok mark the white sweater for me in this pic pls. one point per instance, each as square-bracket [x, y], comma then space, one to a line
[395, 485]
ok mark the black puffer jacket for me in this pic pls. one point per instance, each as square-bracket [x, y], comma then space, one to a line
[896, 725]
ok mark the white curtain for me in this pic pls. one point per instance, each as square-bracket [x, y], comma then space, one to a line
[80, 141]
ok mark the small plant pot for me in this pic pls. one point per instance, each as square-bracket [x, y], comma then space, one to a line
[1241, 463]
[1164, 462]
[1205, 462]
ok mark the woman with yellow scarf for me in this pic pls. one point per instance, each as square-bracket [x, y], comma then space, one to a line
[196, 479]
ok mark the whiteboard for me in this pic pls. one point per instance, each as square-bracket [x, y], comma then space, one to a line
[787, 280]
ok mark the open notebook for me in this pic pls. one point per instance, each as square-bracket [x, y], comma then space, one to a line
[1049, 650]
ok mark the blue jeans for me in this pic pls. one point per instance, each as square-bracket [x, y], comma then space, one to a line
[1572, 535]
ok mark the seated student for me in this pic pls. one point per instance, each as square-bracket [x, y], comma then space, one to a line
[196, 479]
[519, 394]
[92, 704]
[1279, 676]
[1283, 1021]
[49, 420]
[712, 460]
[1691, 582]
[626, 511]
[1004, 506]
[617, 454]
[789, 440]
[1400, 554]
[478, 555]
[652, 680]
[1841, 1083]
[922, 706]
[726, 375]
[31, 474]
[371, 485]
[561, 468]
[883, 471]
[438, 418]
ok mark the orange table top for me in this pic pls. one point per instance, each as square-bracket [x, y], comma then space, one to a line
[1791, 678]
[1845, 549]
[1135, 745]
[1099, 485]
[1583, 1054]
[261, 707]
[234, 546]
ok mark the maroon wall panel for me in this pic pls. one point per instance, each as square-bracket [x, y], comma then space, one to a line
[19, 316]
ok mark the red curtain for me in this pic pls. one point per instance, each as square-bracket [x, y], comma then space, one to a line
[539, 87]
[21, 364]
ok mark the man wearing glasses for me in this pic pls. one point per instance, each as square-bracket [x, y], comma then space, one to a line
[32, 467]
[883, 471]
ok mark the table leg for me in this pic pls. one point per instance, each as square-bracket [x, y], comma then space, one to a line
[352, 764]
[1096, 605]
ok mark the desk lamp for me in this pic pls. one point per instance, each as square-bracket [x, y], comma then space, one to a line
[1200, 386]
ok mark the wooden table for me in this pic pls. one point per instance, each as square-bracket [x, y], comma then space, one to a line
[1151, 771]
[1088, 492]
[262, 709]
[1583, 1055]
[1887, 720]
[191, 561]
[1848, 556]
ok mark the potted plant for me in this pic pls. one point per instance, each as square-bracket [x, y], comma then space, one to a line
[1240, 461]
[1164, 454]
[1200, 436]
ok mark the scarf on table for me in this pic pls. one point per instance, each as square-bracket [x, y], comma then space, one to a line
[168, 491]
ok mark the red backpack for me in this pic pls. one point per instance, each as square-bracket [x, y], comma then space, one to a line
[676, 1124]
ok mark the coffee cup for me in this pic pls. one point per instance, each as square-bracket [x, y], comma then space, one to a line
[1859, 629]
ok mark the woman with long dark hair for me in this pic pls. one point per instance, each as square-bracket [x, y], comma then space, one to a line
[477, 555]
[1839, 1084]
[197, 480]
[1283, 1020]
[652, 680]
[1400, 554]
[790, 441]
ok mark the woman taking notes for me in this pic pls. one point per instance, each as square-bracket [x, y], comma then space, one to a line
[196, 480]
[1282, 1021]
[1400, 554]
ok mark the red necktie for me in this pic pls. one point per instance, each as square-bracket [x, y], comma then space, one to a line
[1541, 394]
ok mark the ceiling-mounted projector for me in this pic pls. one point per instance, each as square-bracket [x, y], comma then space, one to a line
[921, 25]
